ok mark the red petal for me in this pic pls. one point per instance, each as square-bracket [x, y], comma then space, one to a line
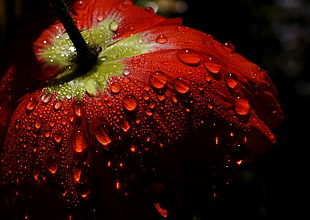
[186, 82]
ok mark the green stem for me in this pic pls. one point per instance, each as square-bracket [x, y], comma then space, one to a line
[86, 55]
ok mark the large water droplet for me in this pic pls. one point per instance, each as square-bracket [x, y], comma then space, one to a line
[102, 136]
[242, 106]
[181, 86]
[212, 66]
[231, 80]
[161, 39]
[52, 163]
[115, 88]
[158, 79]
[79, 141]
[189, 57]
[31, 105]
[58, 137]
[130, 102]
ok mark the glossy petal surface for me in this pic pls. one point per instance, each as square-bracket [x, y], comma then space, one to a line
[174, 81]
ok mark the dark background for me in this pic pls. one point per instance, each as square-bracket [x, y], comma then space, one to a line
[275, 34]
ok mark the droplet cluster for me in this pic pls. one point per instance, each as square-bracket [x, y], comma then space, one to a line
[159, 103]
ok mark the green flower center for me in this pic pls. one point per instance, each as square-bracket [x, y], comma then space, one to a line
[61, 53]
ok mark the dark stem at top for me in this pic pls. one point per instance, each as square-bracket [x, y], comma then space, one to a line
[86, 55]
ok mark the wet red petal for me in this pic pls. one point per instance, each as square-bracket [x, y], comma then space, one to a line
[187, 81]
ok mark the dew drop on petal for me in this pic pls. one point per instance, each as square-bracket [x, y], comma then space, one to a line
[77, 174]
[231, 80]
[38, 123]
[208, 77]
[84, 189]
[229, 47]
[57, 105]
[150, 9]
[189, 57]
[161, 39]
[46, 97]
[52, 163]
[31, 105]
[181, 86]
[113, 26]
[79, 142]
[212, 66]
[115, 88]
[158, 79]
[100, 16]
[58, 137]
[77, 109]
[130, 102]
[125, 125]
[242, 106]
[102, 136]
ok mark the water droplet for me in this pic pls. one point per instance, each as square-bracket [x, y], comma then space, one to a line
[150, 9]
[126, 72]
[242, 106]
[58, 137]
[229, 47]
[231, 80]
[32, 104]
[272, 137]
[102, 136]
[79, 141]
[52, 163]
[216, 140]
[77, 109]
[57, 105]
[208, 77]
[161, 211]
[189, 57]
[212, 66]
[47, 134]
[117, 184]
[181, 86]
[115, 87]
[80, 3]
[161, 97]
[158, 79]
[46, 97]
[133, 149]
[38, 123]
[161, 39]
[100, 16]
[130, 102]
[77, 173]
[239, 162]
[113, 26]
[125, 125]
[84, 189]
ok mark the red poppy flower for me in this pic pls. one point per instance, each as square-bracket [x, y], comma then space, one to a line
[155, 84]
